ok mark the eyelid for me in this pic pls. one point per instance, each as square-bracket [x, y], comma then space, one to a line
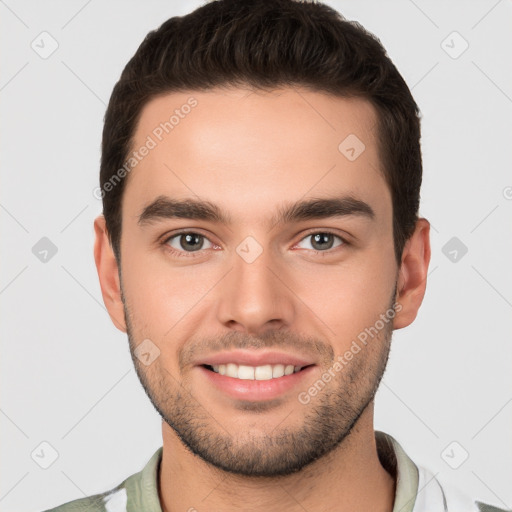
[184, 231]
[332, 231]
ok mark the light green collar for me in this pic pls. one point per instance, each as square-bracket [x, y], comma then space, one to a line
[142, 488]
[396, 462]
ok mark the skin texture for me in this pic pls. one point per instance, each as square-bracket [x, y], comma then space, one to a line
[250, 152]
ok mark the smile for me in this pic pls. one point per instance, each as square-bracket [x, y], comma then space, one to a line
[244, 372]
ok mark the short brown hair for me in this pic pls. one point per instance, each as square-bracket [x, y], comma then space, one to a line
[266, 45]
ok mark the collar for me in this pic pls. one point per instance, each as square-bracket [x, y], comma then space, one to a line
[143, 487]
[400, 466]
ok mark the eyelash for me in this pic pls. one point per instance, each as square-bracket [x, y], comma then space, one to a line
[195, 254]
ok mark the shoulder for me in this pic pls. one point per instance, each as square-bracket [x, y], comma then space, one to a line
[483, 507]
[418, 484]
[448, 497]
[109, 501]
[96, 503]
[140, 490]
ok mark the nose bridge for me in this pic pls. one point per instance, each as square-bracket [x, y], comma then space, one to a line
[254, 298]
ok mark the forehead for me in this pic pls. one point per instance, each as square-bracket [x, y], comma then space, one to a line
[248, 148]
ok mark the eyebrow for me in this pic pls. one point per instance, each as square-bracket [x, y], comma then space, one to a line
[164, 207]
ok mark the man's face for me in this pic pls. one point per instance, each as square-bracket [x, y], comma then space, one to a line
[299, 291]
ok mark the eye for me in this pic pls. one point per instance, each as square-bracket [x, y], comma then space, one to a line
[322, 241]
[187, 242]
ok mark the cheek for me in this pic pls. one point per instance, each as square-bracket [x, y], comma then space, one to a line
[350, 297]
[159, 295]
[145, 290]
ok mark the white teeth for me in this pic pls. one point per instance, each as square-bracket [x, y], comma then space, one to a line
[265, 372]
[245, 372]
[231, 370]
[288, 370]
[277, 370]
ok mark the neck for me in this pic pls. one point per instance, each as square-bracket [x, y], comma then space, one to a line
[350, 478]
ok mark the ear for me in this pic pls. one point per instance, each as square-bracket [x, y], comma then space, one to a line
[412, 277]
[108, 274]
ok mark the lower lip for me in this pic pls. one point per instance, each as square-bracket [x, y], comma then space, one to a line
[255, 390]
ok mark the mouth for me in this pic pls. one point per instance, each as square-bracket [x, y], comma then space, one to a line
[246, 372]
[256, 383]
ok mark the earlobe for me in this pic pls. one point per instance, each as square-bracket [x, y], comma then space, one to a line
[412, 279]
[108, 274]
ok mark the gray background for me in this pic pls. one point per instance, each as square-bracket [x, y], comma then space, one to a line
[66, 374]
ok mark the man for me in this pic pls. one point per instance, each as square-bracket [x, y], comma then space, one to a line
[259, 243]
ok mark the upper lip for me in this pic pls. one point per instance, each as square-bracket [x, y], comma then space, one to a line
[252, 358]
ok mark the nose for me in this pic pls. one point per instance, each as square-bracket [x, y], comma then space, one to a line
[255, 297]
